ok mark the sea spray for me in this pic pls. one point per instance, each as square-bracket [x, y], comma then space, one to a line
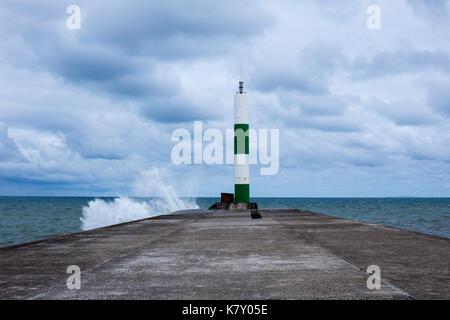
[100, 213]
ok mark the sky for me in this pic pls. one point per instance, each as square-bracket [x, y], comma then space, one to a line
[361, 112]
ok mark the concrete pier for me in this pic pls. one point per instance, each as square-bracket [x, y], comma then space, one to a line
[200, 254]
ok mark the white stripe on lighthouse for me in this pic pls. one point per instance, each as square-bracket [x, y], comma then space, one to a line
[241, 159]
[240, 108]
[241, 174]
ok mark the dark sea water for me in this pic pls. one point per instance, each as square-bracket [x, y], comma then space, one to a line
[24, 219]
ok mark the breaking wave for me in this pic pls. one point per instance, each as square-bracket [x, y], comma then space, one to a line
[100, 213]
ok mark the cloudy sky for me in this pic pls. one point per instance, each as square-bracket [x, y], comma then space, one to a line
[361, 112]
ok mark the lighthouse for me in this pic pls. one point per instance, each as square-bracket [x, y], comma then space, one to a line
[241, 194]
[241, 146]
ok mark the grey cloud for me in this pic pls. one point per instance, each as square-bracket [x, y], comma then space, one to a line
[387, 63]
[326, 123]
[334, 124]
[173, 29]
[316, 150]
[439, 98]
[273, 79]
[318, 105]
[427, 148]
[103, 70]
[147, 27]
[121, 46]
[405, 112]
[308, 73]
[114, 136]
[8, 148]
[175, 110]
[332, 9]
[88, 63]
[432, 9]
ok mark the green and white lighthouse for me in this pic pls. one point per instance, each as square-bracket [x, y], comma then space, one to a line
[241, 146]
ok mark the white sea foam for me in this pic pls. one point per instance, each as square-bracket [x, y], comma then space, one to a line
[100, 213]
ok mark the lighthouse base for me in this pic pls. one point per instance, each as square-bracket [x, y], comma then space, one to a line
[234, 206]
[242, 193]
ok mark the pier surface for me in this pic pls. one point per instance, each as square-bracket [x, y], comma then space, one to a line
[200, 254]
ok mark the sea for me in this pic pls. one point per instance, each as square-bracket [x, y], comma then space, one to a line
[24, 219]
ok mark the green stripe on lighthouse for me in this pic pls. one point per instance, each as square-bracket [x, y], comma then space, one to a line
[241, 138]
[242, 192]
